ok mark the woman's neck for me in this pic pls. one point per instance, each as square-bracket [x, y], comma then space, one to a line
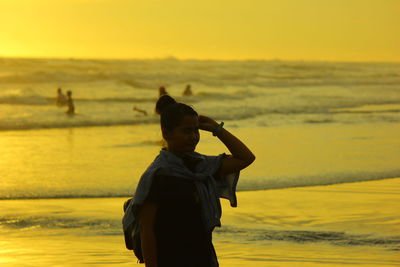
[175, 152]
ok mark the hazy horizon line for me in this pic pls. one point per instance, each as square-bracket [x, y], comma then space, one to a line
[193, 59]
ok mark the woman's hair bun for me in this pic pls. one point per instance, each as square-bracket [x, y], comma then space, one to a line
[163, 102]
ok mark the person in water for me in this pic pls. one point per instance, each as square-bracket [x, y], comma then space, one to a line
[176, 204]
[162, 91]
[188, 91]
[144, 112]
[70, 102]
[61, 99]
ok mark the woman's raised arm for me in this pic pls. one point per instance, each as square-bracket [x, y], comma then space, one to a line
[241, 155]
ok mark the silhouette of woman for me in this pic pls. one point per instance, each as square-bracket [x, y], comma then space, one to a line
[176, 205]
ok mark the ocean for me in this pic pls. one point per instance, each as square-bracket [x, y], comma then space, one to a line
[324, 186]
[259, 93]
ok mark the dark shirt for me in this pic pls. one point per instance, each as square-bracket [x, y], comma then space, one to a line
[182, 240]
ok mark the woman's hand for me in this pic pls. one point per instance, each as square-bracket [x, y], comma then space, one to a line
[241, 155]
[207, 124]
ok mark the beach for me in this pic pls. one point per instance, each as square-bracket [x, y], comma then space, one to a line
[346, 224]
[323, 191]
[296, 224]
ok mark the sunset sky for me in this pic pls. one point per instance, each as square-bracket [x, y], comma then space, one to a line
[337, 30]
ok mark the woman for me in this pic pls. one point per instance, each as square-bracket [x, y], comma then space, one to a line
[176, 205]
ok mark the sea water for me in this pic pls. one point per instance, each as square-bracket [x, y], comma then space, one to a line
[321, 100]
[256, 93]
[309, 124]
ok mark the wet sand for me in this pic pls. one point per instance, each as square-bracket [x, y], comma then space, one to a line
[342, 224]
[346, 224]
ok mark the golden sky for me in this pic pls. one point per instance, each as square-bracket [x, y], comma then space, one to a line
[334, 30]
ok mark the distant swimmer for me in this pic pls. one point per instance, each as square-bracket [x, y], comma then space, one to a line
[70, 102]
[162, 91]
[144, 112]
[188, 91]
[61, 99]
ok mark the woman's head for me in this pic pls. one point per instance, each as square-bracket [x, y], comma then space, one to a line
[179, 124]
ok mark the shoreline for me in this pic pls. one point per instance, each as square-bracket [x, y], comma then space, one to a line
[253, 190]
[352, 223]
[108, 161]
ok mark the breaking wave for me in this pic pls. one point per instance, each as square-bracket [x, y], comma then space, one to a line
[248, 184]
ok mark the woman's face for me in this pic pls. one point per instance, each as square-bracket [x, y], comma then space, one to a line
[185, 136]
